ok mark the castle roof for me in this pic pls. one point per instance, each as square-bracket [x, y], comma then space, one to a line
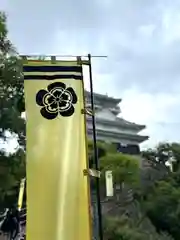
[102, 97]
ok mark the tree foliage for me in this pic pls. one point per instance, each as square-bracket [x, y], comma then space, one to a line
[163, 208]
[12, 165]
[125, 168]
[162, 200]
[156, 216]
[123, 228]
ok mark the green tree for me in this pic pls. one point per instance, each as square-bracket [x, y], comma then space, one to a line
[157, 168]
[12, 165]
[123, 228]
[102, 150]
[163, 208]
[161, 154]
[125, 168]
[158, 157]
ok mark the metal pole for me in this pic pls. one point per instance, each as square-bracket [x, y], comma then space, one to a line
[63, 56]
[95, 152]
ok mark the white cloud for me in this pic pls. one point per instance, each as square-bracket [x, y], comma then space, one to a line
[145, 107]
[155, 111]
[147, 30]
[171, 25]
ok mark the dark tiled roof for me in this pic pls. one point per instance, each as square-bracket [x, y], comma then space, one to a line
[125, 122]
[104, 97]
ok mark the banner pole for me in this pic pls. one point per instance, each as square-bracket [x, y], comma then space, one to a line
[96, 162]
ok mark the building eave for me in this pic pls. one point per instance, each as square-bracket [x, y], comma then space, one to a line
[132, 125]
[103, 97]
[122, 124]
[126, 136]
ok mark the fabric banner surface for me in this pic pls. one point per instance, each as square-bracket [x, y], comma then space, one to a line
[57, 191]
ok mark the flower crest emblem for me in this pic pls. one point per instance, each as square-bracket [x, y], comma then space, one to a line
[57, 99]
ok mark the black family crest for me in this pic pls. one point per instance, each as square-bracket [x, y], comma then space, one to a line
[57, 99]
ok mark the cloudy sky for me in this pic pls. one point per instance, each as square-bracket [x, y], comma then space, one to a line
[140, 37]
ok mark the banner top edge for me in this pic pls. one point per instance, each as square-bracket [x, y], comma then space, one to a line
[50, 63]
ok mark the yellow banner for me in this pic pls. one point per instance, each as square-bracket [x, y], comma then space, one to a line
[57, 191]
